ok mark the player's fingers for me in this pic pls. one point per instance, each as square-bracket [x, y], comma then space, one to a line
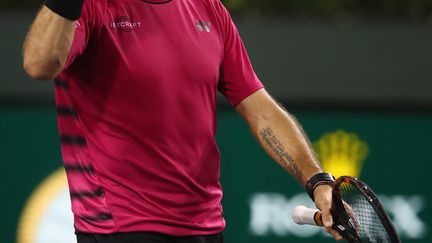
[334, 233]
[323, 200]
[328, 222]
[348, 208]
[326, 216]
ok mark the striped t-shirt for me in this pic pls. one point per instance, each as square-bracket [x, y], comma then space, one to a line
[136, 113]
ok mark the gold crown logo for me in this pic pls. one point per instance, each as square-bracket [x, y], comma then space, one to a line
[341, 153]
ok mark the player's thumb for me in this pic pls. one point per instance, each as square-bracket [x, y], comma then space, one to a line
[327, 218]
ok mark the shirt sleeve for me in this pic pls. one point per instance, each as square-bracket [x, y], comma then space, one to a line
[83, 31]
[238, 80]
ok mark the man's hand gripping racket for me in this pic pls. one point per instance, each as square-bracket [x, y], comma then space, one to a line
[356, 213]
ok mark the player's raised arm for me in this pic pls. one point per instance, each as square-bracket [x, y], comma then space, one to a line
[284, 140]
[50, 37]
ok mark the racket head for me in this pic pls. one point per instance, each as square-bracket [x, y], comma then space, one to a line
[358, 215]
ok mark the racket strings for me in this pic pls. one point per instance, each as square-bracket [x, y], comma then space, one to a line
[363, 216]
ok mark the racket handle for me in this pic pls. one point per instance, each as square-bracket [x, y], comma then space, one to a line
[304, 215]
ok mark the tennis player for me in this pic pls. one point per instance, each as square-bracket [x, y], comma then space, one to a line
[135, 88]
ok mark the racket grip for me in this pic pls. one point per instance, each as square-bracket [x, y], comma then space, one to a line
[304, 215]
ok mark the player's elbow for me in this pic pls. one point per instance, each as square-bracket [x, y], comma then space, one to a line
[41, 70]
[38, 74]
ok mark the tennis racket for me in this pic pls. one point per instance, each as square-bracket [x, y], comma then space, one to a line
[357, 213]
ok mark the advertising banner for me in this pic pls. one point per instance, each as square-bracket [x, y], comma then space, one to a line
[390, 151]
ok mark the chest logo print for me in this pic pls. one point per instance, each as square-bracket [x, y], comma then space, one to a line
[203, 26]
[123, 23]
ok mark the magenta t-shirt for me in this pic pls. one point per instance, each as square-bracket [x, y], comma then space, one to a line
[137, 114]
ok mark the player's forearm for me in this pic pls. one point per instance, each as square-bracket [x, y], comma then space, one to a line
[47, 45]
[280, 135]
[285, 143]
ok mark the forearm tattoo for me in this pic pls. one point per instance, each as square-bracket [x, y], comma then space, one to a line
[273, 142]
